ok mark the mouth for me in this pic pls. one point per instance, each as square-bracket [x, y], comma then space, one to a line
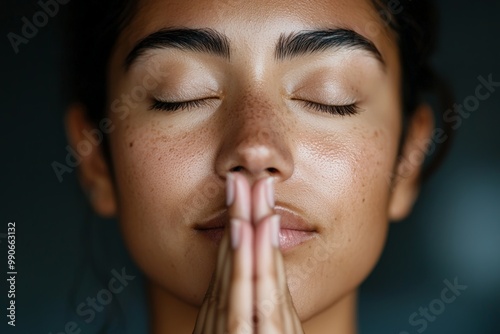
[294, 229]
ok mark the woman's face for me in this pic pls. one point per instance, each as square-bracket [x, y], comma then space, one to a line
[255, 115]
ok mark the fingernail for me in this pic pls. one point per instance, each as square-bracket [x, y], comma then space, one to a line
[275, 230]
[235, 232]
[270, 192]
[229, 189]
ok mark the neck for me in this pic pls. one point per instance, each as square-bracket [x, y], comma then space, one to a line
[168, 314]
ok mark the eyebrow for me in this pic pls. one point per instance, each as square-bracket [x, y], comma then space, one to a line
[314, 41]
[288, 46]
[198, 40]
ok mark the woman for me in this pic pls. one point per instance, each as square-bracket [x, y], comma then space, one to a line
[254, 152]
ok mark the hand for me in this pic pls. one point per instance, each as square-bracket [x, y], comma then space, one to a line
[249, 292]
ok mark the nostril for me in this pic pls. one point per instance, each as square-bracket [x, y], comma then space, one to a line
[272, 170]
[237, 169]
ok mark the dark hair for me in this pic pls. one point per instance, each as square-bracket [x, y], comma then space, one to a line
[92, 28]
[416, 24]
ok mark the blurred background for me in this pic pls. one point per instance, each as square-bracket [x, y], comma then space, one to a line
[451, 239]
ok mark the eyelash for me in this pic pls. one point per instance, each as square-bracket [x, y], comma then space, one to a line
[174, 106]
[342, 110]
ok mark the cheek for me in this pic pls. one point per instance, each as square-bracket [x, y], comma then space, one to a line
[158, 171]
[348, 173]
[350, 169]
[366, 200]
[158, 175]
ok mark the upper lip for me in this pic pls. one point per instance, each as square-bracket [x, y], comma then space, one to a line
[290, 220]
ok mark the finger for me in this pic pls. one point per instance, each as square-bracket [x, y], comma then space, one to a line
[212, 313]
[241, 296]
[240, 206]
[222, 303]
[238, 199]
[207, 313]
[283, 304]
[297, 323]
[202, 314]
[222, 259]
[268, 301]
[262, 199]
[241, 287]
[225, 281]
[291, 320]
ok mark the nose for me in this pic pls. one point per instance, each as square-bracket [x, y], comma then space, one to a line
[255, 141]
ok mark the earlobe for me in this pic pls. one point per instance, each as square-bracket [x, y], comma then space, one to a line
[406, 179]
[93, 171]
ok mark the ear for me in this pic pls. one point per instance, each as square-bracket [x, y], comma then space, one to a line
[93, 171]
[406, 179]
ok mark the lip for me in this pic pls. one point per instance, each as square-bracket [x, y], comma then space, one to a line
[294, 229]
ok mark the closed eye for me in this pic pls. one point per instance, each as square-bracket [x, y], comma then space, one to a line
[341, 110]
[180, 105]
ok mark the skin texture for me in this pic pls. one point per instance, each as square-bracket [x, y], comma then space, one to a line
[336, 172]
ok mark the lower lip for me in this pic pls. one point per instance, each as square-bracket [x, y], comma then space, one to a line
[292, 238]
[288, 238]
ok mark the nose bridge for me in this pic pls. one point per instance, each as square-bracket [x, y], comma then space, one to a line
[257, 120]
[256, 140]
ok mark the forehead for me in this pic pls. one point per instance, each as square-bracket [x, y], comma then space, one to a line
[257, 19]
[211, 11]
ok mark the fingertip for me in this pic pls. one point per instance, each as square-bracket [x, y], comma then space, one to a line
[230, 189]
[241, 204]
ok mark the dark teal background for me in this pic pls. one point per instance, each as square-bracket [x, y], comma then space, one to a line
[454, 231]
